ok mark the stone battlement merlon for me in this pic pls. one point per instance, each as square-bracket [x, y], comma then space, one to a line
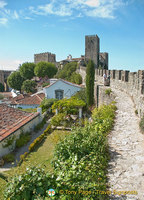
[130, 82]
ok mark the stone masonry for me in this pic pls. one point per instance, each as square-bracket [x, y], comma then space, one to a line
[46, 57]
[130, 82]
[3, 78]
[92, 51]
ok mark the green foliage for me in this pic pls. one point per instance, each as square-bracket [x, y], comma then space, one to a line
[9, 157]
[9, 141]
[136, 112]
[81, 95]
[29, 86]
[43, 69]
[1, 87]
[81, 160]
[59, 120]
[1, 96]
[32, 185]
[45, 84]
[80, 164]
[40, 125]
[108, 91]
[39, 139]
[68, 72]
[15, 80]
[2, 176]
[141, 124]
[27, 70]
[29, 110]
[23, 139]
[90, 76]
[76, 78]
[65, 105]
[47, 103]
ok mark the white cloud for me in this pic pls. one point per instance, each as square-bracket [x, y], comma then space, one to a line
[2, 4]
[10, 64]
[15, 15]
[92, 8]
[3, 21]
[61, 10]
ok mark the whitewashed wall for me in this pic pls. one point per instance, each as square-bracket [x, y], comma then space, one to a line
[69, 90]
[26, 128]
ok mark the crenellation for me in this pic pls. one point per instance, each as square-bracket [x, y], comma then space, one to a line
[130, 82]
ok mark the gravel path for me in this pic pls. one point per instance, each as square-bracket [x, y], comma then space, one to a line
[126, 168]
[23, 149]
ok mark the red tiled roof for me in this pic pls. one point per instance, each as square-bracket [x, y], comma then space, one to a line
[35, 99]
[12, 119]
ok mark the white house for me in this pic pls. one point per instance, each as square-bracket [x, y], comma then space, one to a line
[61, 89]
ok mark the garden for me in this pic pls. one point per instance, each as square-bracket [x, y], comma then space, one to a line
[79, 163]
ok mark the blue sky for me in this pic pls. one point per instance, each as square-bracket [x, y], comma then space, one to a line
[59, 26]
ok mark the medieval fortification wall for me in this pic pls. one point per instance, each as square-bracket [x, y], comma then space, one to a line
[130, 82]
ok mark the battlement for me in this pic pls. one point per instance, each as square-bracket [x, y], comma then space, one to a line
[130, 82]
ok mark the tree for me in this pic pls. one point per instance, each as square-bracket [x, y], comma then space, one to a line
[67, 71]
[1, 87]
[43, 69]
[76, 78]
[90, 75]
[29, 86]
[27, 70]
[15, 80]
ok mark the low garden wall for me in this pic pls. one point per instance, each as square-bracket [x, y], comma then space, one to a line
[28, 127]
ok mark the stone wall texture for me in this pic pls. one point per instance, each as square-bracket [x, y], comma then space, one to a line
[130, 82]
[3, 78]
[46, 57]
[92, 49]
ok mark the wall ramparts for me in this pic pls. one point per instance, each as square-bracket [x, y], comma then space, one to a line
[130, 82]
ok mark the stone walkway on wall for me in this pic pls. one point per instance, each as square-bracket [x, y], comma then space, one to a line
[126, 167]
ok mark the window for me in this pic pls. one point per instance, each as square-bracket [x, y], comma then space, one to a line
[59, 94]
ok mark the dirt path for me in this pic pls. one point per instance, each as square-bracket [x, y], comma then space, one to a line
[126, 168]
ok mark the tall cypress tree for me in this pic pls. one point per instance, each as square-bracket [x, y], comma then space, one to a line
[90, 76]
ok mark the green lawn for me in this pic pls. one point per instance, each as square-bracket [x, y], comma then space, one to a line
[40, 157]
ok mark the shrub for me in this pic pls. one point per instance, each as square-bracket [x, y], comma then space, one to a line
[33, 184]
[9, 157]
[23, 139]
[39, 139]
[80, 164]
[45, 84]
[81, 160]
[90, 75]
[47, 103]
[141, 124]
[108, 91]
[58, 119]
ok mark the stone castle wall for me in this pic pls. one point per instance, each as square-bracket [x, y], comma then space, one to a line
[3, 78]
[46, 57]
[130, 82]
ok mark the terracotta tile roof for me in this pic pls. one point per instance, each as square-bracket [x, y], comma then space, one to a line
[29, 100]
[12, 119]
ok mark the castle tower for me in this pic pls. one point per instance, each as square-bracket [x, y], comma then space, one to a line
[46, 57]
[103, 60]
[92, 49]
